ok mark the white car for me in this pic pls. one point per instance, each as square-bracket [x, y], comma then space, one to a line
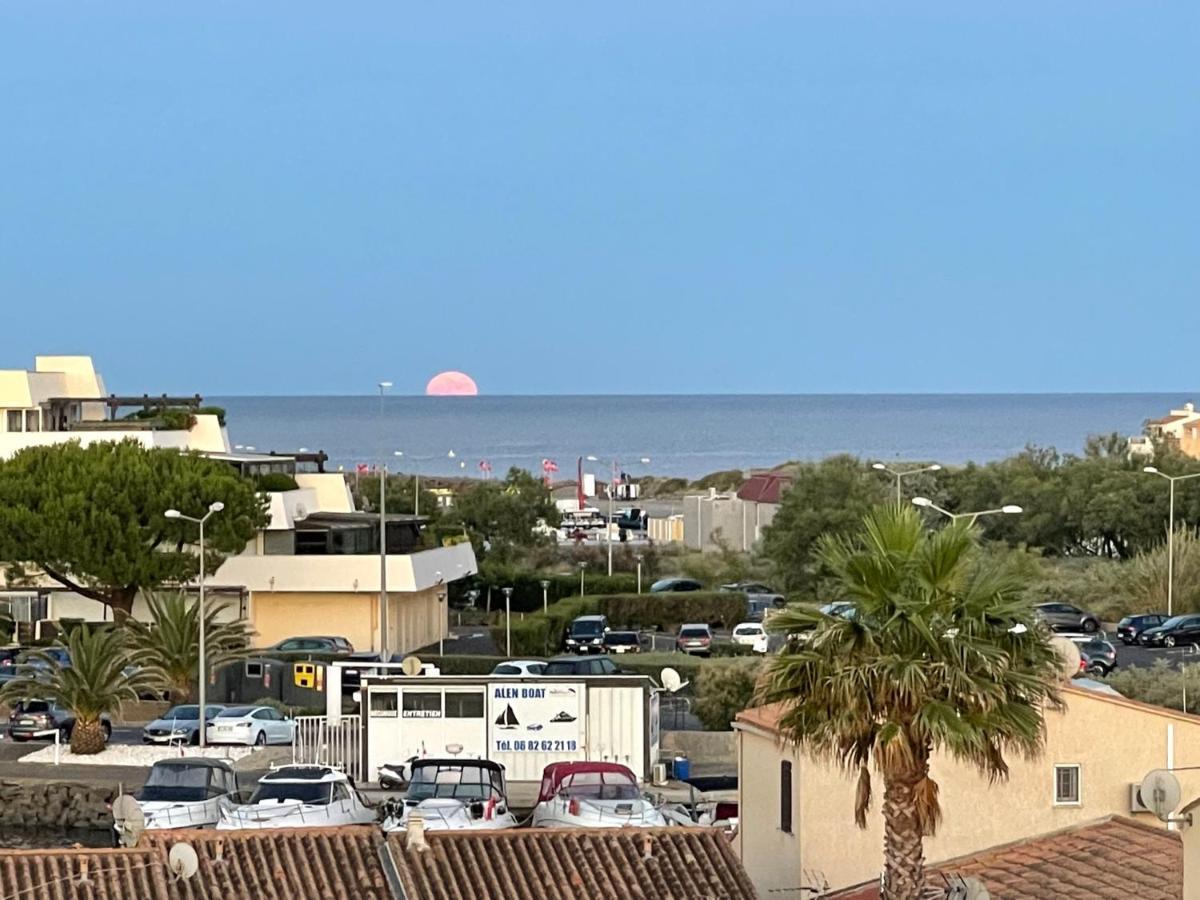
[748, 634]
[521, 667]
[250, 725]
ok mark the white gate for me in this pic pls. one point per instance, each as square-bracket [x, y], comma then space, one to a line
[318, 742]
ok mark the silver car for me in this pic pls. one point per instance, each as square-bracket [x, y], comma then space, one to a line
[180, 724]
[1065, 617]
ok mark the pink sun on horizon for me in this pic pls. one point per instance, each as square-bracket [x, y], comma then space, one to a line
[451, 384]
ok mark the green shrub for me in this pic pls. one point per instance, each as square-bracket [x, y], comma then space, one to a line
[275, 481]
[527, 587]
[1159, 684]
[218, 411]
[723, 689]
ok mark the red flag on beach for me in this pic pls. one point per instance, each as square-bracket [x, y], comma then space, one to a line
[362, 469]
[485, 467]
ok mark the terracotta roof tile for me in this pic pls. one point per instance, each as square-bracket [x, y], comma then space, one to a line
[72, 874]
[571, 864]
[1110, 859]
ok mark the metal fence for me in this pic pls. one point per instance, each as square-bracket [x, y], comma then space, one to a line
[321, 743]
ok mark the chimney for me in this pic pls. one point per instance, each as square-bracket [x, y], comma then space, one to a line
[415, 832]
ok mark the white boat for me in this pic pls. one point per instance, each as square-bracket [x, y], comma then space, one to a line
[593, 795]
[453, 795]
[301, 797]
[189, 792]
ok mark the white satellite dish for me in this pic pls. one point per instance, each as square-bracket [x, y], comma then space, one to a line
[411, 665]
[454, 749]
[976, 889]
[183, 861]
[129, 819]
[1068, 654]
[671, 681]
[1160, 793]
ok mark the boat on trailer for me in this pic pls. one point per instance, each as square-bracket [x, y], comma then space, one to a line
[453, 795]
[301, 796]
[593, 795]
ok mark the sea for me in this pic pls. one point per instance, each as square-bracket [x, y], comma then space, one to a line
[680, 435]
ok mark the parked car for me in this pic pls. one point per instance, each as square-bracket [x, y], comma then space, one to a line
[748, 633]
[695, 638]
[622, 642]
[312, 644]
[1097, 656]
[759, 598]
[1065, 617]
[520, 667]
[1174, 632]
[586, 635]
[251, 725]
[8, 662]
[31, 717]
[1130, 628]
[675, 585]
[179, 724]
[575, 665]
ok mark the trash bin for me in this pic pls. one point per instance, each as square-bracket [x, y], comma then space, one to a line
[682, 768]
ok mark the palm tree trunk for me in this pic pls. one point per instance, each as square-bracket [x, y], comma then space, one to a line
[903, 841]
[87, 738]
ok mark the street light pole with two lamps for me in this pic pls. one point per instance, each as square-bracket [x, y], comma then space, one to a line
[383, 474]
[213, 508]
[612, 490]
[1151, 470]
[899, 474]
[1008, 509]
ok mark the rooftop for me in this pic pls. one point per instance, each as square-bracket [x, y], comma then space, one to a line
[1109, 859]
[765, 487]
[571, 864]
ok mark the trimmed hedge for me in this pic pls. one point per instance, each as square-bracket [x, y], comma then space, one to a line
[527, 588]
[723, 689]
[638, 663]
[541, 634]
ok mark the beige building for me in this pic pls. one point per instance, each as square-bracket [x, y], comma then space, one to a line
[797, 816]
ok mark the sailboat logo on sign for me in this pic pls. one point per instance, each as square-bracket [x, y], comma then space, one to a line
[508, 718]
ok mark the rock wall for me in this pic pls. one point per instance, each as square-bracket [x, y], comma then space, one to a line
[55, 805]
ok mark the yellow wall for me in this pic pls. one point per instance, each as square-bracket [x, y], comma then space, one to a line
[276, 615]
[1115, 742]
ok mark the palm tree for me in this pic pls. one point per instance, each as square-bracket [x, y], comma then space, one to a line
[170, 640]
[99, 678]
[940, 653]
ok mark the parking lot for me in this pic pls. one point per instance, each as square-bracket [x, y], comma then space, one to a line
[1134, 657]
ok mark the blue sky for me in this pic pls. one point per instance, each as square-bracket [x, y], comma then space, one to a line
[675, 197]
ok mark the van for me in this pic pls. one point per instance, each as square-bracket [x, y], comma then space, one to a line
[586, 635]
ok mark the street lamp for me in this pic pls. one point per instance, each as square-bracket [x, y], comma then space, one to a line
[898, 474]
[213, 508]
[1151, 470]
[1008, 509]
[507, 621]
[639, 558]
[383, 591]
[545, 582]
[582, 569]
[612, 489]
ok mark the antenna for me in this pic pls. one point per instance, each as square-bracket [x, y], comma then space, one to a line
[411, 665]
[671, 680]
[1069, 658]
[129, 819]
[183, 861]
[1160, 793]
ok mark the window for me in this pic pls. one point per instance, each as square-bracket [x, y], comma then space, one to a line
[422, 705]
[785, 797]
[254, 670]
[463, 705]
[1066, 785]
[383, 704]
[14, 420]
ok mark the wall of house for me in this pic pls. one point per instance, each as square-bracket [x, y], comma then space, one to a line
[1115, 742]
[414, 619]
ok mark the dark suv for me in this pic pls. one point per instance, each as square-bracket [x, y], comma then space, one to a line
[581, 665]
[32, 718]
[1130, 628]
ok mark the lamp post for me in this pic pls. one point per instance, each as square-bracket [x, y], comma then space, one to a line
[638, 557]
[899, 474]
[507, 621]
[1151, 470]
[612, 489]
[545, 582]
[213, 508]
[925, 503]
[383, 591]
[582, 569]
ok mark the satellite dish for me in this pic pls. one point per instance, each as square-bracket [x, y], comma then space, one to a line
[975, 890]
[1160, 793]
[671, 681]
[183, 861]
[411, 665]
[454, 749]
[129, 819]
[1068, 655]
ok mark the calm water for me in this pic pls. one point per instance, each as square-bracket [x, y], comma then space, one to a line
[682, 435]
